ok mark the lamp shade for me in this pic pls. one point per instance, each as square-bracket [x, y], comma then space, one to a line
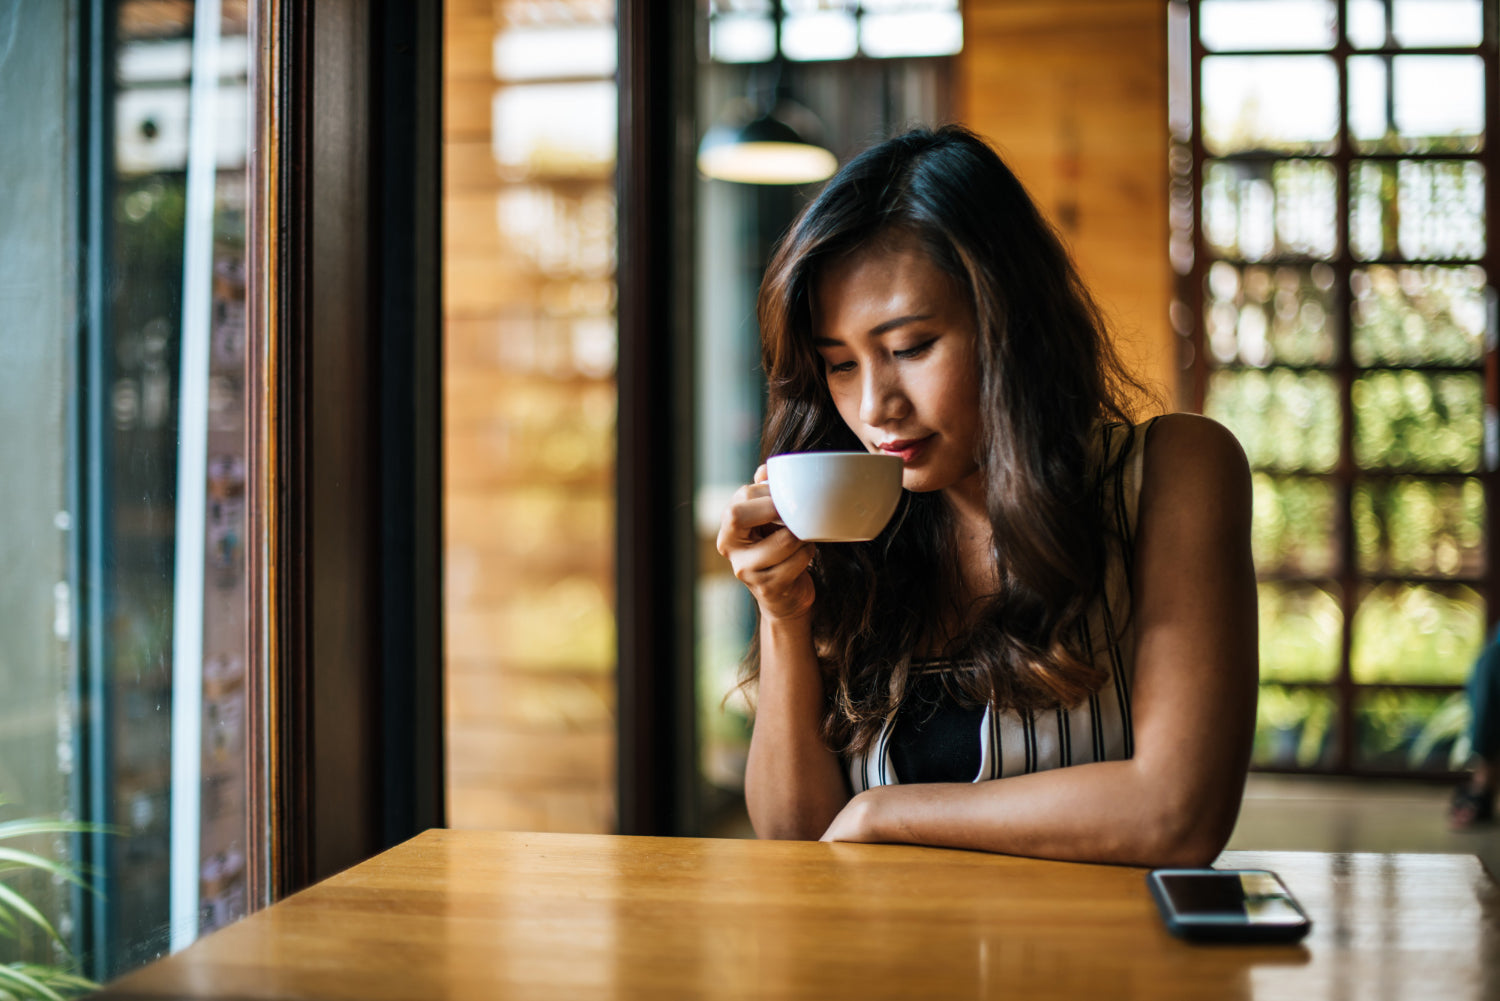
[765, 150]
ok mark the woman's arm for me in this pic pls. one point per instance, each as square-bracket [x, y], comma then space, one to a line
[1193, 700]
[793, 784]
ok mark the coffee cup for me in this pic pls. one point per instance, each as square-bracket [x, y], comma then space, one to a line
[834, 496]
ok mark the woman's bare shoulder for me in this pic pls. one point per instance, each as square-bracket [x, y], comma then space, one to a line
[1197, 461]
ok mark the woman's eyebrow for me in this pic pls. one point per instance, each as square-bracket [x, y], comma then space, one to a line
[875, 331]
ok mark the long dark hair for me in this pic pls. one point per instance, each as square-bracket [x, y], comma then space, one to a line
[1048, 377]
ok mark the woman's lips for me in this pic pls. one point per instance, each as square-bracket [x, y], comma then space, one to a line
[907, 448]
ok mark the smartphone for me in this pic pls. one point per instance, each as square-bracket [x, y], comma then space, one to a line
[1227, 905]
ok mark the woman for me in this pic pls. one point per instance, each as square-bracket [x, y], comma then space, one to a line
[1051, 650]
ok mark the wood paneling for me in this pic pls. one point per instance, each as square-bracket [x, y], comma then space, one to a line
[528, 511]
[1074, 95]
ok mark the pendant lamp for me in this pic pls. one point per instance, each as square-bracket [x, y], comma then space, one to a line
[770, 140]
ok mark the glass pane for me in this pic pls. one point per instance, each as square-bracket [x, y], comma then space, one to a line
[742, 38]
[1419, 316]
[529, 401]
[933, 33]
[819, 34]
[1285, 104]
[1293, 524]
[1410, 731]
[1243, 25]
[1415, 420]
[124, 601]
[1416, 633]
[540, 52]
[1417, 210]
[1295, 728]
[1264, 316]
[555, 128]
[1254, 211]
[1447, 23]
[1437, 103]
[1422, 527]
[1417, 23]
[1367, 24]
[1301, 629]
[1286, 421]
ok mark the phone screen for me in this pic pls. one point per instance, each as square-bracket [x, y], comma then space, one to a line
[1206, 903]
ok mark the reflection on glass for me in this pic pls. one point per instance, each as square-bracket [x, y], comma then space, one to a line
[1286, 421]
[1416, 316]
[1294, 728]
[1263, 316]
[1300, 630]
[1293, 524]
[1410, 731]
[1413, 420]
[1254, 211]
[1437, 103]
[1416, 633]
[1246, 25]
[1286, 104]
[1419, 210]
[1424, 527]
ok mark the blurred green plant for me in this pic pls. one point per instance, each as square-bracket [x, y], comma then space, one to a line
[28, 981]
[1293, 726]
[1418, 420]
[1449, 722]
[1413, 633]
[1300, 627]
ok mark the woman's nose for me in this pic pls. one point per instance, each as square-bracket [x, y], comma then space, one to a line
[882, 399]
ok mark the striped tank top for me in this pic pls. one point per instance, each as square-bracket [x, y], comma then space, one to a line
[933, 737]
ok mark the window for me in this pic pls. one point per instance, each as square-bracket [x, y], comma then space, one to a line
[1330, 234]
[123, 603]
[529, 413]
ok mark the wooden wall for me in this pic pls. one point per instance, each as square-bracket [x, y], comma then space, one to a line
[529, 409]
[1074, 95]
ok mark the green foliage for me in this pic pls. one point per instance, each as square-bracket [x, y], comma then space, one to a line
[1414, 633]
[1286, 421]
[1414, 526]
[1300, 626]
[21, 980]
[1293, 524]
[1415, 420]
[1415, 316]
[1293, 726]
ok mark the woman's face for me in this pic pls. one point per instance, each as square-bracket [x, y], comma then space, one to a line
[897, 337]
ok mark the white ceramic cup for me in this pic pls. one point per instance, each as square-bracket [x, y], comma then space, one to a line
[834, 496]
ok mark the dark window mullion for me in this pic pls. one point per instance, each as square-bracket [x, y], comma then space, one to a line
[1346, 470]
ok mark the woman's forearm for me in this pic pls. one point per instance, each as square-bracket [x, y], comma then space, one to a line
[1115, 811]
[794, 786]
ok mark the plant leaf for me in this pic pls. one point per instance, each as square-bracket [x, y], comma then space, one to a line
[34, 861]
[23, 906]
[41, 825]
[28, 985]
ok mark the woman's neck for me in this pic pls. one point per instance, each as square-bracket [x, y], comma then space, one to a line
[973, 538]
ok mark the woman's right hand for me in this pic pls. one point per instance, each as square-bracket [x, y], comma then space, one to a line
[767, 558]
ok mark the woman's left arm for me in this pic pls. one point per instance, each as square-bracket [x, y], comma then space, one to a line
[1193, 700]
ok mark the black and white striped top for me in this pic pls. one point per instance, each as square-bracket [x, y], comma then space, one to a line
[935, 738]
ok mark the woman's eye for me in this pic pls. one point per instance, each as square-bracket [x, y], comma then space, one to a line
[843, 366]
[915, 351]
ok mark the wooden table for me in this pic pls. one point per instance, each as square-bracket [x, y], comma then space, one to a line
[463, 914]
